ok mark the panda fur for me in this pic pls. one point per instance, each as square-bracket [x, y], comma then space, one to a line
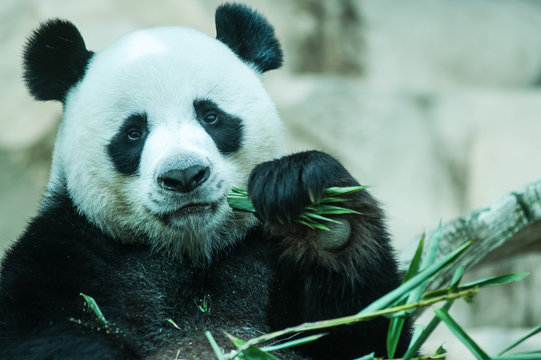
[156, 130]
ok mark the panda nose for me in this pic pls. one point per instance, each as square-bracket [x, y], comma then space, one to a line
[184, 180]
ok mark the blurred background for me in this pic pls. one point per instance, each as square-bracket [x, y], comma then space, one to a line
[434, 103]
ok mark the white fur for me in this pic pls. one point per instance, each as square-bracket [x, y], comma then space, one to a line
[161, 72]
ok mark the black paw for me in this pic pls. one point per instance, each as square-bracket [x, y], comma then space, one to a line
[280, 189]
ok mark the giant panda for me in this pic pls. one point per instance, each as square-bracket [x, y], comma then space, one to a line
[156, 130]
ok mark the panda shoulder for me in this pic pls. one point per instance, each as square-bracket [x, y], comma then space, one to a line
[58, 245]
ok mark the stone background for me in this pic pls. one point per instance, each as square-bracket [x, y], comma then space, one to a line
[436, 104]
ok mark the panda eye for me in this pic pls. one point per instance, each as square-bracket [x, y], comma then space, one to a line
[134, 134]
[211, 117]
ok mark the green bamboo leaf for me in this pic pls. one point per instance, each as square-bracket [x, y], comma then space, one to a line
[320, 217]
[491, 281]
[530, 355]
[533, 355]
[214, 345]
[94, 307]
[237, 190]
[366, 357]
[396, 324]
[418, 340]
[520, 340]
[311, 224]
[428, 259]
[239, 201]
[414, 267]
[415, 281]
[498, 280]
[251, 353]
[393, 335]
[440, 351]
[169, 320]
[333, 210]
[345, 190]
[461, 334]
[329, 200]
[457, 276]
[417, 332]
[292, 343]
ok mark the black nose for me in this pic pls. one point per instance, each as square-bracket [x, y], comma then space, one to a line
[184, 180]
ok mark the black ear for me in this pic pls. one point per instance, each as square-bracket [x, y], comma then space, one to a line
[55, 59]
[249, 35]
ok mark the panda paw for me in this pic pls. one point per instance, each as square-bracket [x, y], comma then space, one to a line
[280, 189]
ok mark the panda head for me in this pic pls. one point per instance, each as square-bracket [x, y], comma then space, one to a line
[159, 126]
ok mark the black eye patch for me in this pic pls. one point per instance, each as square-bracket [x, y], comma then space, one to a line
[226, 130]
[126, 146]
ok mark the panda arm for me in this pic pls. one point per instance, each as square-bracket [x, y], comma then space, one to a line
[323, 275]
[42, 275]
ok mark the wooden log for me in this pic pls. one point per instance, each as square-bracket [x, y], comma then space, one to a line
[509, 227]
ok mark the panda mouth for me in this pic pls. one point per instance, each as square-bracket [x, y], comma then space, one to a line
[192, 208]
[196, 208]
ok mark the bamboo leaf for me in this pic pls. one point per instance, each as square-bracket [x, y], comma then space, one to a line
[239, 201]
[320, 217]
[214, 345]
[457, 276]
[412, 283]
[250, 353]
[312, 224]
[418, 340]
[340, 191]
[413, 269]
[497, 280]
[461, 334]
[491, 281]
[520, 340]
[292, 343]
[366, 357]
[169, 320]
[396, 324]
[393, 335]
[417, 332]
[328, 200]
[533, 355]
[440, 351]
[94, 307]
[333, 210]
[428, 259]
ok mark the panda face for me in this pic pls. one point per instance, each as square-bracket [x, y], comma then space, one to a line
[164, 122]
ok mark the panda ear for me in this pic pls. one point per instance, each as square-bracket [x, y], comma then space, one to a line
[55, 59]
[249, 35]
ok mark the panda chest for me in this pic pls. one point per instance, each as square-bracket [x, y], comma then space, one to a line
[169, 307]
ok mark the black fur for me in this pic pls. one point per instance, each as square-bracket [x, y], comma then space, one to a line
[280, 189]
[42, 315]
[318, 284]
[226, 130]
[55, 59]
[126, 147]
[249, 35]
[276, 277]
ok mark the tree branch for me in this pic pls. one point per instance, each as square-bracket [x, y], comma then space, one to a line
[509, 227]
